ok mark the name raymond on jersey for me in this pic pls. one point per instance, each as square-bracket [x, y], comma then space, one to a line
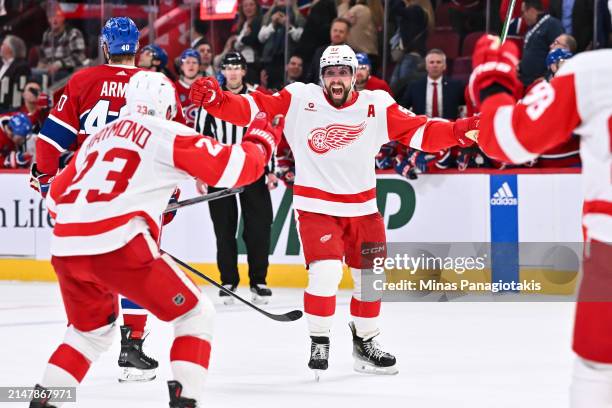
[114, 89]
[125, 128]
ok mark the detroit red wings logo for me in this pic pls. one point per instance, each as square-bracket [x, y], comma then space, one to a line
[335, 136]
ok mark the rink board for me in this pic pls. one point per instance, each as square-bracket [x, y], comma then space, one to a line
[461, 207]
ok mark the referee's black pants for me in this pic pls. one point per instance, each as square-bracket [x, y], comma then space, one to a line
[256, 206]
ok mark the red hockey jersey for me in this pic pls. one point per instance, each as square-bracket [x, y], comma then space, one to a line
[92, 98]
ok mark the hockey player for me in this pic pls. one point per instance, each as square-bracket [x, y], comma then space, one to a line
[14, 132]
[152, 57]
[92, 98]
[364, 77]
[189, 71]
[334, 133]
[578, 98]
[107, 204]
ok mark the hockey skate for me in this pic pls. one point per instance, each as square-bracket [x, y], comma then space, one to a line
[176, 401]
[260, 294]
[40, 402]
[319, 355]
[369, 357]
[135, 365]
[225, 297]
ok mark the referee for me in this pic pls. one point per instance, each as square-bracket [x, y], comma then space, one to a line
[255, 202]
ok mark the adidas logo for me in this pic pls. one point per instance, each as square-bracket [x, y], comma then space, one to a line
[504, 196]
[122, 73]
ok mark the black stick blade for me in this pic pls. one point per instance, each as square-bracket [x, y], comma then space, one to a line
[287, 317]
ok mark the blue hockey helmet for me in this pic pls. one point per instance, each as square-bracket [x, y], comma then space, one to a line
[120, 35]
[363, 59]
[20, 124]
[556, 55]
[190, 52]
[158, 53]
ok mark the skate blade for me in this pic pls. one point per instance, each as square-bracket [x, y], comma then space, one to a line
[228, 301]
[260, 300]
[131, 374]
[368, 368]
[317, 375]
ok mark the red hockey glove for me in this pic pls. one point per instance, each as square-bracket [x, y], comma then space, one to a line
[206, 92]
[264, 133]
[168, 217]
[494, 64]
[466, 130]
[40, 181]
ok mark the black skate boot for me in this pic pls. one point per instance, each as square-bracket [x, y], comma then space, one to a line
[261, 294]
[176, 401]
[135, 364]
[319, 355]
[41, 400]
[369, 358]
[225, 297]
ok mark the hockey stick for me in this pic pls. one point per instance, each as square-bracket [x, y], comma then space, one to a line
[286, 317]
[506, 27]
[208, 197]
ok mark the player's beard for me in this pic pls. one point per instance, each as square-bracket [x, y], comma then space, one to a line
[333, 93]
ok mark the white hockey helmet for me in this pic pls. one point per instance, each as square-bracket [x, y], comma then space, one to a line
[338, 55]
[151, 93]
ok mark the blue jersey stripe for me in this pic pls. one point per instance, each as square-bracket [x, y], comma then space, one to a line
[61, 135]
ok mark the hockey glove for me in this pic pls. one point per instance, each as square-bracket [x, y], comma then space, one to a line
[267, 135]
[494, 69]
[386, 155]
[466, 130]
[169, 216]
[206, 92]
[40, 181]
[16, 160]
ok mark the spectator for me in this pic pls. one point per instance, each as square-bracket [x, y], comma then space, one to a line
[36, 104]
[272, 36]
[414, 19]
[152, 57]
[294, 70]
[62, 49]
[199, 29]
[316, 29]
[543, 30]
[566, 42]
[255, 201]
[206, 57]
[13, 73]
[436, 95]
[577, 19]
[467, 16]
[189, 71]
[249, 24]
[366, 18]
[604, 24]
[365, 79]
[338, 34]
[15, 131]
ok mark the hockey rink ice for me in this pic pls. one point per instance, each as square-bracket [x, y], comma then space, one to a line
[450, 355]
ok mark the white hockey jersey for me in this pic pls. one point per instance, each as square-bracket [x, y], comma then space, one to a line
[119, 182]
[578, 99]
[334, 148]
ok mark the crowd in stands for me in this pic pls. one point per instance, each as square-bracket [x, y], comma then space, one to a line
[429, 46]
